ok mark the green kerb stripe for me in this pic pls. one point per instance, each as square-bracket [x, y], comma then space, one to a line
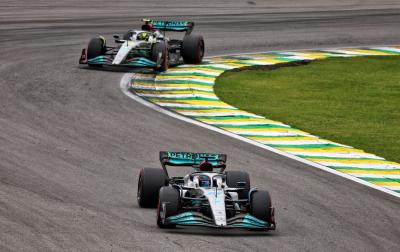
[380, 179]
[364, 169]
[207, 108]
[386, 51]
[171, 90]
[252, 126]
[337, 158]
[203, 67]
[304, 146]
[226, 117]
[183, 98]
[167, 81]
[188, 74]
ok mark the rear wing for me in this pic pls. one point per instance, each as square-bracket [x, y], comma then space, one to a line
[171, 25]
[191, 159]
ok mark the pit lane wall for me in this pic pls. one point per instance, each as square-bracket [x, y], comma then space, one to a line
[188, 90]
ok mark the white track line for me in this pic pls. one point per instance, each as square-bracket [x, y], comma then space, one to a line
[124, 85]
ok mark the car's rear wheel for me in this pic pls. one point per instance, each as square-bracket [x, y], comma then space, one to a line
[169, 197]
[261, 206]
[232, 179]
[193, 49]
[96, 47]
[150, 182]
[160, 55]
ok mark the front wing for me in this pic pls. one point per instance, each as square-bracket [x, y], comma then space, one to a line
[107, 60]
[240, 221]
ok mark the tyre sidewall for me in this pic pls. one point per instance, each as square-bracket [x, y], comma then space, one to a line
[149, 184]
[232, 177]
[260, 205]
[171, 196]
[155, 50]
[193, 49]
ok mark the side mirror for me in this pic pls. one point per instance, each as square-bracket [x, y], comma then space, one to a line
[116, 36]
[241, 184]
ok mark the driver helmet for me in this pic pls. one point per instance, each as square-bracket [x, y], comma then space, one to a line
[205, 166]
[143, 36]
[204, 181]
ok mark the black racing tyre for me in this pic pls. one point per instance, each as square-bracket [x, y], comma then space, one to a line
[160, 47]
[260, 206]
[232, 177]
[150, 182]
[171, 196]
[193, 49]
[96, 48]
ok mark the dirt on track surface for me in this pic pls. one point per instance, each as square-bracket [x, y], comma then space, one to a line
[72, 144]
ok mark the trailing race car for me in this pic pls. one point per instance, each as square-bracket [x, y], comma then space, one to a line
[147, 47]
[209, 196]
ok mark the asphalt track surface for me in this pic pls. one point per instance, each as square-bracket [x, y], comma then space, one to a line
[72, 144]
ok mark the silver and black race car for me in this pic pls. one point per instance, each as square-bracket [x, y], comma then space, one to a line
[209, 196]
[147, 47]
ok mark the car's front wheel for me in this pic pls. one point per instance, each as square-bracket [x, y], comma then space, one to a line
[160, 55]
[96, 47]
[168, 205]
[150, 182]
[261, 206]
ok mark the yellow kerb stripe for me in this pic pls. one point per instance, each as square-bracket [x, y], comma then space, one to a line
[382, 183]
[192, 102]
[194, 77]
[369, 51]
[195, 69]
[266, 129]
[366, 171]
[353, 161]
[205, 111]
[166, 92]
[283, 139]
[261, 120]
[171, 85]
[333, 150]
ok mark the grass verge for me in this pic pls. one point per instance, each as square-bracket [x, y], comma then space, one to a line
[353, 101]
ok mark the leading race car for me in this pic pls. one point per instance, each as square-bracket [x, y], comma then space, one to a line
[148, 47]
[209, 196]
